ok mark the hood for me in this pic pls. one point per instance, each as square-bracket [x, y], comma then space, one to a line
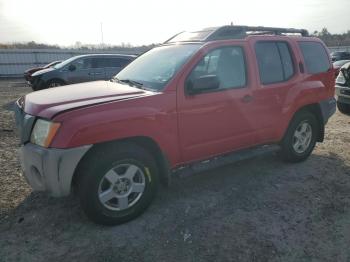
[50, 102]
[32, 70]
[43, 71]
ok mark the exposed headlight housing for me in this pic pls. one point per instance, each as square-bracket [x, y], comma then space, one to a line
[43, 132]
[341, 79]
[20, 102]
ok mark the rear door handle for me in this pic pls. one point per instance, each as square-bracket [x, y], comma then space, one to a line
[247, 99]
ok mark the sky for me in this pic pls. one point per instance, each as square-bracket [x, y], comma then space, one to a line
[65, 22]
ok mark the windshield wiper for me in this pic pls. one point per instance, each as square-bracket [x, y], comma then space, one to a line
[129, 81]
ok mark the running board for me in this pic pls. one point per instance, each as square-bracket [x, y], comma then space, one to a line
[223, 160]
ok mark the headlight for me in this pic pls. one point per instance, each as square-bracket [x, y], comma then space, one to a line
[341, 79]
[43, 132]
[20, 102]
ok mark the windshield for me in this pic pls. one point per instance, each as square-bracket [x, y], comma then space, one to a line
[52, 64]
[65, 62]
[157, 67]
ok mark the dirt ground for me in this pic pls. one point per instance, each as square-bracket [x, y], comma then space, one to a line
[257, 210]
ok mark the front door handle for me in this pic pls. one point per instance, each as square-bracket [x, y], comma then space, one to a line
[247, 99]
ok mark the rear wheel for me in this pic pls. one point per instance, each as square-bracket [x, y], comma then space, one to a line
[117, 184]
[300, 138]
[343, 108]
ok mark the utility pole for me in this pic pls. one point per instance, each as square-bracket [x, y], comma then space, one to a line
[101, 34]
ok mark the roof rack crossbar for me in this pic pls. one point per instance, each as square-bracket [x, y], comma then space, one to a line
[232, 31]
[236, 32]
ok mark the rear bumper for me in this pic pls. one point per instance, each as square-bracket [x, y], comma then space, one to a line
[343, 94]
[50, 169]
[328, 108]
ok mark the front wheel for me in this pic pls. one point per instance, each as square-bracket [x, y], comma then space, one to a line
[55, 83]
[117, 184]
[300, 139]
[35, 88]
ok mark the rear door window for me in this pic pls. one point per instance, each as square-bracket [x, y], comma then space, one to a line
[315, 57]
[106, 62]
[274, 61]
[100, 62]
[286, 59]
[118, 62]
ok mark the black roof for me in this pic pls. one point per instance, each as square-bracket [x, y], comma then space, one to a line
[232, 32]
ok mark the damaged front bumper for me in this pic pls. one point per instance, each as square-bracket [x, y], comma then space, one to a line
[50, 169]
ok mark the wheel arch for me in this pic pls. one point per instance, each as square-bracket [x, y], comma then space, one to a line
[316, 110]
[56, 79]
[145, 142]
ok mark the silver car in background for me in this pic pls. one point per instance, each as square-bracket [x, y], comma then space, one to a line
[80, 69]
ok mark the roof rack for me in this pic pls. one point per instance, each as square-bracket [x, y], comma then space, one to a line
[232, 32]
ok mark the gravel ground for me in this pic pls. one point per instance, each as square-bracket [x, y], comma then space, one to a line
[257, 210]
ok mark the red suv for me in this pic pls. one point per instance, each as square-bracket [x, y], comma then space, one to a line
[198, 96]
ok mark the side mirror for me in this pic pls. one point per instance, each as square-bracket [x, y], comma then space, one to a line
[72, 67]
[202, 84]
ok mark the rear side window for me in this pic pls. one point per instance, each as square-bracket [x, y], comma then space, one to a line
[315, 57]
[275, 62]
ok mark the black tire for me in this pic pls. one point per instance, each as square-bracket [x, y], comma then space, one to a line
[343, 108]
[54, 83]
[288, 152]
[93, 172]
[35, 88]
